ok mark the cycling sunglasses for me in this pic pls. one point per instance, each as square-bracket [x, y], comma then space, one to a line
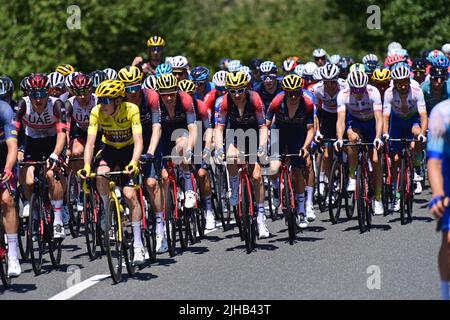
[132, 89]
[82, 92]
[38, 94]
[200, 83]
[357, 90]
[293, 93]
[105, 100]
[268, 77]
[221, 89]
[156, 48]
[167, 93]
[419, 70]
[237, 91]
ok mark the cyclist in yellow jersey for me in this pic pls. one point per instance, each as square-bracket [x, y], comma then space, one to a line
[122, 135]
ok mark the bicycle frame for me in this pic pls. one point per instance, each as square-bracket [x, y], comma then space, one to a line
[285, 170]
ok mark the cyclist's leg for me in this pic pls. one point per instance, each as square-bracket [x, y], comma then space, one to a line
[77, 152]
[206, 193]
[233, 170]
[190, 196]
[352, 152]
[11, 225]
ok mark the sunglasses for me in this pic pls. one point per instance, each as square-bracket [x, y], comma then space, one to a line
[330, 82]
[168, 93]
[237, 91]
[292, 94]
[82, 92]
[437, 78]
[357, 90]
[156, 48]
[132, 89]
[268, 77]
[221, 89]
[178, 72]
[38, 94]
[419, 70]
[401, 83]
[200, 83]
[105, 100]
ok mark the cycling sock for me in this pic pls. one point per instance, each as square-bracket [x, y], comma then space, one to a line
[309, 196]
[160, 223]
[445, 290]
[301, 203]
[12, 245]
[208, 203]
[261, 213]
[137, 234]
[188, 181]
[57, 204]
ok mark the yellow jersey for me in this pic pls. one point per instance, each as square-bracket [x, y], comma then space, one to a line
[118, 129]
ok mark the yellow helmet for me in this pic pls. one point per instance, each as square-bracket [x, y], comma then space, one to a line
[156, 41]
[381, 75]
[65, 69]
[187, 86]
[292, 82]
[236, 80]
[110, 89]
[130, 75]
[166, 81]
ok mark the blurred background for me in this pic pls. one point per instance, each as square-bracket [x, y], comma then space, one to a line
[34, 36]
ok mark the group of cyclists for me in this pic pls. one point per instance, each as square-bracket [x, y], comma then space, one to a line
[160, 107]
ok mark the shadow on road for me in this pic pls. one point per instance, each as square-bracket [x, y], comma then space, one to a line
[425, 219]
[18, 288]
[197, 250]
[382, 227]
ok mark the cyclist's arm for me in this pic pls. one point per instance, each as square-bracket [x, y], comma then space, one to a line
[341, 110]
[205, 118]
[60, 114]
[421, 107]
[69, 112]
[261, 119]
[190, 119]
[11, 137]
[435, 153]
[136, 129]
[378, 112]
[138, 60]
[91, 137]
[221, 122]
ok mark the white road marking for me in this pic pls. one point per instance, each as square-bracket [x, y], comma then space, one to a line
[78, 288]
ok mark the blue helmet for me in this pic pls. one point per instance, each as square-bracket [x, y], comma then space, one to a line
[162, 69]
[200, 74]
[371, 65]
[440, 61]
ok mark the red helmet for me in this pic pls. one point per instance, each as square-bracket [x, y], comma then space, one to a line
[81, 81]
[38, 81]
[395, 58]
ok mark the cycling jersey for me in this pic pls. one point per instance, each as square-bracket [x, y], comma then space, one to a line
[324, 100]
[80, 114]
[119, 128]
[428, 94]
[360, 109]
[267, 97]
[64, 97]
[414, 102]
[7, 123]
[438, 141]
[209, 87]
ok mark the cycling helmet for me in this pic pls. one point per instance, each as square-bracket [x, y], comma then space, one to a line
[439, 72]
[334, 59]
[234, 65]
[56, 80]
[357, 66]
[268, 67]
[111, 73]
[163, 68]
[441, 61]
[166, 82]
[434, 54]
[68, 80]
[24, 86]
[419, 63]
[149, 82]
[309, 68]
[394, 45]
[38, 81]
[316, 75]
[187, 86]
[130, 75]
[357, 79]
[224, 63]
[65, 69]
[370, 66]
[292, 82]
[110, 89]
[290, 63]
[299, 70]
[381, 75]
[400, 72]
[179, 62]
[6, 85]
[393, 59]
[446, 48]
[156, 41]
[344, 63]
[329, 72]
[402, 52]
[236, 80]
[369, 57]
[255, 63]
[319, 52]
[81, 81]
[219, 78]
[200, 74]
[97, 77]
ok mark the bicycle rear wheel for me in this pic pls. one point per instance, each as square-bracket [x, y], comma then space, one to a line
[72, 199]
[113, 241]
[35, 236]
[336, 191]
[171, 226]
[410, 193]
[127, 240]
[321, 197]
[22, 239]
[360, 199]
[90, 227]
[273, 211]
[150, 232]
[289, 209]
[387, 185]
[222, 197]
[248, 226]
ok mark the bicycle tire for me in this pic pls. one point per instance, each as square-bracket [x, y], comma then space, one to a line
[273, 212]
[90, 227]
[387, 186]
[224, 202]
[350, 197]
[360, 201]
[402, 191]
[171, 226]
[36, 250]
[215, 198]
[321, 199]
[22, 238]
[72, 197]
[336, 179]
[247, 228]
[113, 246]
[6, 281]
[289, 209]
[150, 232]
[410, 198]
[127, 240]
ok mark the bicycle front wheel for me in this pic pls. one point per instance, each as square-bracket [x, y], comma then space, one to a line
[336, 189]
[248, 226]
[360, 199]
[72, 199]
[35, 237]
[90, 227]
[171, 227]
[3, 259]
[403, 190]
[113, 241]
[289, 209]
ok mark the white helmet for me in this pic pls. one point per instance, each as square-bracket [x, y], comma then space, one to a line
[68, 80]
[369, 57]
[111, 73]
[316, 75]
[56, 79]
[400, 72]
[149, 82]
[394, 45]
[357, 79]
[268, 67]
[319, 52]
[335, 58]
[299, 70]
[329, 72]
[289, 64]
[309, 68]
[247, 71]
[446, 48]
[234, 65]
[219, 78]
[179, 62]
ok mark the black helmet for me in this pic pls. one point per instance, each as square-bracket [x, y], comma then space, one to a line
[439, 72]
[255, 63]
[419, 63]
[97, 77]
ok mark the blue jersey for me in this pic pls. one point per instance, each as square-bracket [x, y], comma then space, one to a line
[7, 123]
[429, 100]
[266, 96]
[439, 139]
[209, 87]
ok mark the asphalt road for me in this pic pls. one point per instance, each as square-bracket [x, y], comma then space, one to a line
[392, 261]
